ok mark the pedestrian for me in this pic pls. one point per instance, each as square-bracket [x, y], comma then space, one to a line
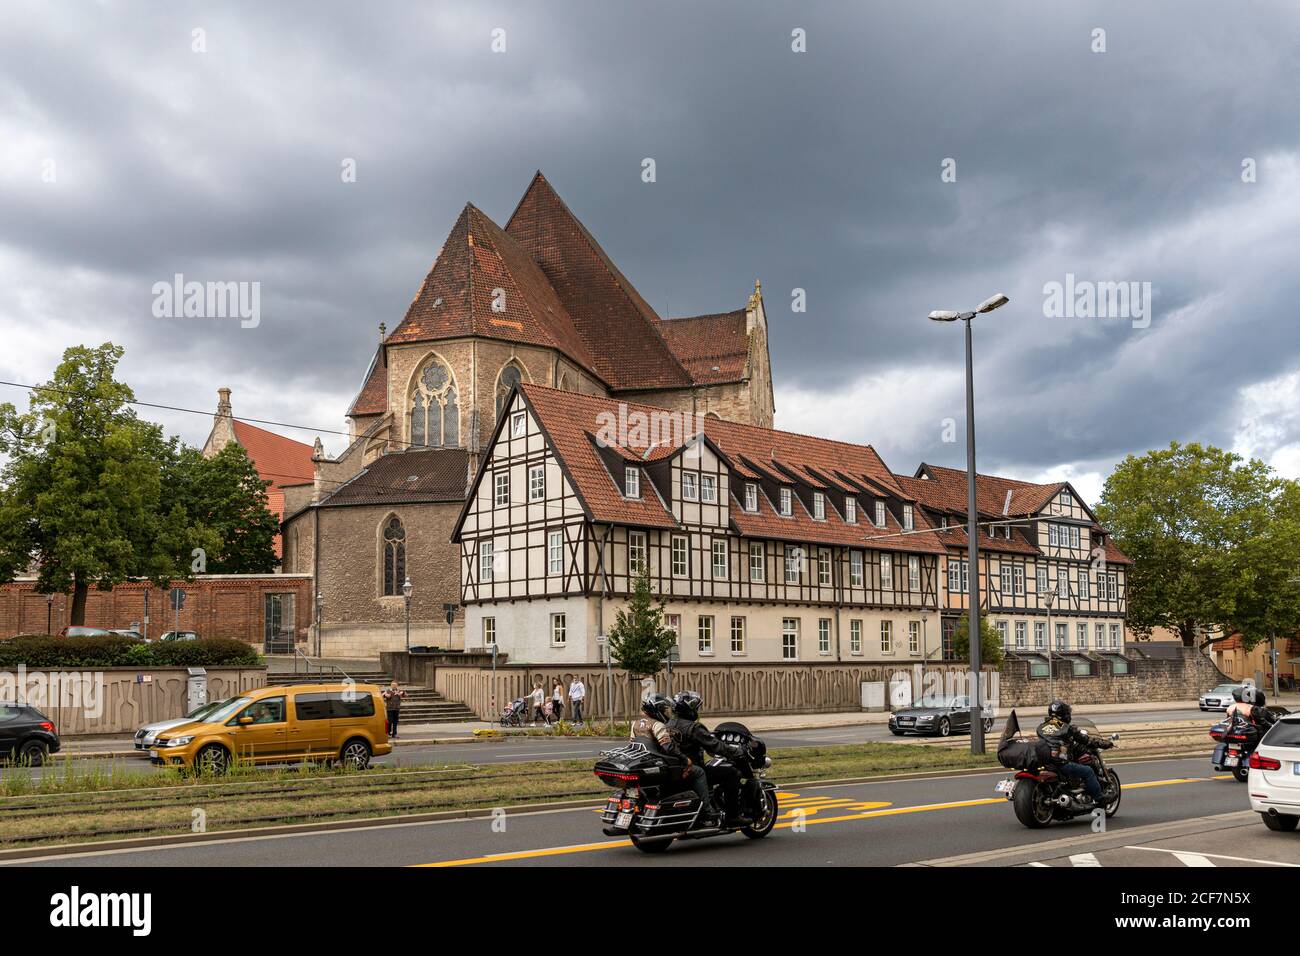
[536, 699]
[393, 706]
[557, 699]
[577, 697]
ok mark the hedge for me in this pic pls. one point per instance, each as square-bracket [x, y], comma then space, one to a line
[115, 650]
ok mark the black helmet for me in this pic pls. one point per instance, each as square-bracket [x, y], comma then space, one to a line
[1059, 709]
[1239, 694]
[657, 707]
[686, 705]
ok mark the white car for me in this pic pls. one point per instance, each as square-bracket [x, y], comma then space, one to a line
[1220, 698]
[1274, 780]
[148, 734]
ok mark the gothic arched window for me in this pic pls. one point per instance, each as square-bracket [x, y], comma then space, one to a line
[510, 377]
[435, 412]
[394, 557]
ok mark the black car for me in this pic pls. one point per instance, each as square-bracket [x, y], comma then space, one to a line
[26, 735]
[936, 717]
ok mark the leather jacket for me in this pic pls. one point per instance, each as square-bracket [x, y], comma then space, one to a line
[1067, 741]
[696, 741]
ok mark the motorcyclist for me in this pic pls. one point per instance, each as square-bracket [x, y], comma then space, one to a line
[697, 742]
[1248, 705]
[652, 726]
[1068, 743]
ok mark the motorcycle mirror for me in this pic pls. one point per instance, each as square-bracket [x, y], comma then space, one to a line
[1114, 736]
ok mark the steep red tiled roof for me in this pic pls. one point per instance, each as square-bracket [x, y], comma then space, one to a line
[279, 460]
[373, 397]
[946, 491]
[712, 348]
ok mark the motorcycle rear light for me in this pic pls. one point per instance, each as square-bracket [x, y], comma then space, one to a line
[1264, 763]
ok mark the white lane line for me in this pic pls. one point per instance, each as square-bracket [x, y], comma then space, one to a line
[1083, 859]
[1037, 864]
[1193, 859]
[1217, 856]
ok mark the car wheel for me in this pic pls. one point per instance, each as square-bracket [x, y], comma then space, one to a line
[33, 754]
[1280, 822]
[355, 754]
[945, 727]
[213, 759]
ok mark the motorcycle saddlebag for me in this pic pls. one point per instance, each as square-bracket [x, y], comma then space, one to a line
[1217, 759]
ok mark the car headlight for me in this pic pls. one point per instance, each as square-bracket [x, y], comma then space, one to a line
[924, 720]
[177, 741]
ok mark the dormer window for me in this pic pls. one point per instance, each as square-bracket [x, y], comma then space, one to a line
[631, 482]
[690, 487]
[944, 522]
[787, 502]
[708, 488]
[880, 514]
[518, 422]
[851, 510]
[907, 518]
[819, 506]
[1065, 498]
[751, 496]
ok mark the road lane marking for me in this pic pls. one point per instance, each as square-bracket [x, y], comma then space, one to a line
[1084, 859]
[1217, 856]
[1192, 859]
[807, 820]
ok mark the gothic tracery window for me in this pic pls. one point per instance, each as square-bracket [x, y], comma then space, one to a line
[394, 557]
[435, 412]
[509, 378]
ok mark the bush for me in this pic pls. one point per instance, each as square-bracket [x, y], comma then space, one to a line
[42, 650]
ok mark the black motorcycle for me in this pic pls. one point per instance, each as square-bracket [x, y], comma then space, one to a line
[1237, 739]
[654, 805]
[1041, 794]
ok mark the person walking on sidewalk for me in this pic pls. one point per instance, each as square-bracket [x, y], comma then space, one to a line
[557, 700]
[577, 697]
[393, 706]
[535, 701]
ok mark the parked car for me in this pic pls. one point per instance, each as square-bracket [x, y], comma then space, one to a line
[310, 722]
[935, 716]
[26, 735]
[180, 636]
[146, 735]
[79, 631]
[1274, 776]
[1220, 698]
[127, 632]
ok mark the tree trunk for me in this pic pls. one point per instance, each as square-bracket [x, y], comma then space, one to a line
[80, 588]
[1187, 631]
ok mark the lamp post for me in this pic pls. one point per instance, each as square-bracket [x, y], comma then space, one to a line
[320, 621]
[49, 612]
[925, 654]
[1049, 600]
[972, 521]
[407, 591]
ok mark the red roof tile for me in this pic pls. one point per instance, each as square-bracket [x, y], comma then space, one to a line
[373, 397]
[279, 460]
[945, 489]
[712, 348]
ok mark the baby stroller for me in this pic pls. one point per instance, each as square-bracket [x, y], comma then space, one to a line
[515, 714]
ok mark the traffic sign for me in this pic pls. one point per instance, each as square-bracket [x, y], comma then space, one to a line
[177, 598]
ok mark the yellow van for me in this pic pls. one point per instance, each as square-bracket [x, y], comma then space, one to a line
[324, 722]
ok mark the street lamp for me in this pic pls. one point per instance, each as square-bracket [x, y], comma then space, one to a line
[1049, 600]
[49, 612]
[972, 520]
[407, 591]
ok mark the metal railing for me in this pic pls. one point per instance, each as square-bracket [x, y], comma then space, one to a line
[320, 665]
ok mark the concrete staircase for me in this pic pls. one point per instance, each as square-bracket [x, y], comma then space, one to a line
[421, 705]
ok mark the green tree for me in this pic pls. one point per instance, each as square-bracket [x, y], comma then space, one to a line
[639, 640]
[81, 491]
[1213, 542]
[990, 642]
[225, 495]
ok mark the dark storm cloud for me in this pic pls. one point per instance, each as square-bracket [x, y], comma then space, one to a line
[818, 171]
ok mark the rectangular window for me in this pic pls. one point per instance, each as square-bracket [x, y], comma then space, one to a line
[1053, 536]
[1085, 586]
[559, 631]
[823, 635]
[705, 633]
[1062, 635]
[880, 514]
[855, 569]
[1022, 634]
[954, 576]
[756, 561]
[502, 486]
[1003, 634]
[751, 496]
[631, 482]
[1018, 580]
[1112, 585]
[690, 490]
[485, 561]
[737, 635]
[708, 489]
[1081, 636]
[908, 518]
[1065, 498]
[674, 623]
[1074, 536]
[555, 552]
[851, 510]
[823, 567]
[793, 562]
[489, 631]
[636, 552]
[914, 637]
[679, 556]
[1040, 634]
[1041, 574]
[1114, 635]
[518, 422]
[855, 637]
[886, 571]
[719, 557]
[536, 483]
[1008, 589]
[886, 637]
[1100, 634]
[819, 506]
[787, 503]
[790, 638]
[913, 573]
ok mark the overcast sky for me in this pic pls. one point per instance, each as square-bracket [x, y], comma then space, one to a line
[127, 156]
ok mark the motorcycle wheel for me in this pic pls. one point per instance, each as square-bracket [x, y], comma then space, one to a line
[1241, 774]
[764, 824]
[1030, 802]
[1113, 807]
[651, 846]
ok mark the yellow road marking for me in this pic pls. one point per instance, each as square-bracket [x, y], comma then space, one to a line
[879, 810]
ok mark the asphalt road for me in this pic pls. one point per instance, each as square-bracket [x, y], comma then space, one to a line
[876, 824]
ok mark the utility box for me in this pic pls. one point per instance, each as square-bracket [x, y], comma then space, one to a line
[873, 695]
[196, 689]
